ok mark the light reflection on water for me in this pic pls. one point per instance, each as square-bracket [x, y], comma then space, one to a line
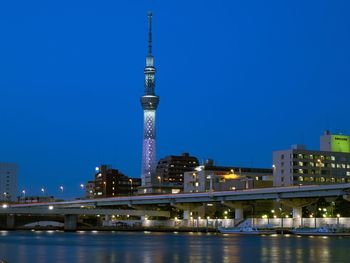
[84, 247]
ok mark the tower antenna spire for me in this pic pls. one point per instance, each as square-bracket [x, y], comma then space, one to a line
[150, 33]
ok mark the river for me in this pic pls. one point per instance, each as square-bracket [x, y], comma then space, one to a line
[101, 247]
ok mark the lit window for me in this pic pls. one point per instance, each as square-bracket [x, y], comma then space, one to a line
[196, 184]
[301, 178]
[332, 158]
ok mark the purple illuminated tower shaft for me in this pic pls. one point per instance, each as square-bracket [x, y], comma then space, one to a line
[149, 102]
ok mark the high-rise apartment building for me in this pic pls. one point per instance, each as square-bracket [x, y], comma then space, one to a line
[171, 169]
[299, 166]
[110, 182]
[8, 182]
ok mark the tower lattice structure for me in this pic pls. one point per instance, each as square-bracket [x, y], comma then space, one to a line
[149, 102]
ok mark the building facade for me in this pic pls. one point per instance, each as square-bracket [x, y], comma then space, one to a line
[90, 190]
[299, 166]
[110, 182]
[149, 102]
[171, 169]
[8, 182]
[221, 178]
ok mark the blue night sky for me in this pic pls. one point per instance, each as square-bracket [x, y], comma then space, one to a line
[236, 80]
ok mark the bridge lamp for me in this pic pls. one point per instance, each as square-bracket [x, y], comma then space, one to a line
[51, 207]
[5, 206]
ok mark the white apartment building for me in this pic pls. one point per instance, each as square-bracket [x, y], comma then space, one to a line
[299, 166]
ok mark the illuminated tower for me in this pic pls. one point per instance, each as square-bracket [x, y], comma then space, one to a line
[149, 102]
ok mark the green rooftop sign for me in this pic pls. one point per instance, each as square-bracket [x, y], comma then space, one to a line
[340, 143]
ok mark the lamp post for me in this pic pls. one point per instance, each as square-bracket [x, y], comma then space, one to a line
[61, 188]
[43, 191]
[338, 218]
[131, 188]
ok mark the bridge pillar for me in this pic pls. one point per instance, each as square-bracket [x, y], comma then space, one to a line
[238, 206]
[346, 197]
[297, 212]
[238, 213]
[297, 205]
[70, 223]
[190, 208]
[10, 222]
[186, 214]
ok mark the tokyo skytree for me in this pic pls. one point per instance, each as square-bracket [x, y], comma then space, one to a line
[149, 102]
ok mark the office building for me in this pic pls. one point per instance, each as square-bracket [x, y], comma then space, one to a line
[8, 182]
[299, 166]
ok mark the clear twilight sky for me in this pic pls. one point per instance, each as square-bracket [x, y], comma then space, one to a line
[236, 80]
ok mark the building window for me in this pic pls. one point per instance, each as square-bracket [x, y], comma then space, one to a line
[282, 156]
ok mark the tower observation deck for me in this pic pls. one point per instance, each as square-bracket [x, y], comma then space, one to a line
[149, 102]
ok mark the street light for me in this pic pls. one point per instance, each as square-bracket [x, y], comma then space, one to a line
[82, 186]
[43, 191]
[130, 180]
[61, 188]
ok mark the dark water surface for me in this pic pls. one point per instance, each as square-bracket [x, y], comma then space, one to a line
[84, 247]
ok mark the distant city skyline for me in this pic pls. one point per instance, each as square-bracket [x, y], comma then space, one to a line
[238, 81]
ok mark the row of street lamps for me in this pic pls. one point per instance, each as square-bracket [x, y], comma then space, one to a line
[43, 190]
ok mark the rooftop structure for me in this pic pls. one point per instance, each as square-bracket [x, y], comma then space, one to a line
[209, 177]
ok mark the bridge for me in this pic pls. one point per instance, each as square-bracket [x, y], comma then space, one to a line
[294, 196]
